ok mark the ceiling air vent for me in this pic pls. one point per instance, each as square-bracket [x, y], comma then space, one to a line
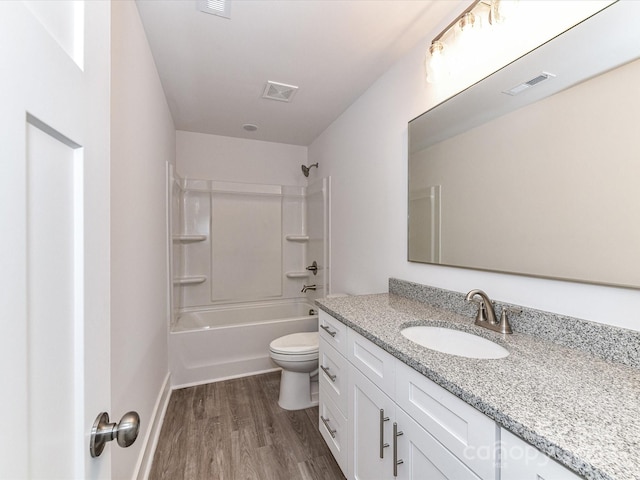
[221, 8]
[279, 91]
[530, 83]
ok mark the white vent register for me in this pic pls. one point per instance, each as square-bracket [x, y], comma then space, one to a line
[221, 8]
[279, 91]
[529, 83]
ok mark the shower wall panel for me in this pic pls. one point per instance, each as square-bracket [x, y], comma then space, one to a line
[246, 246]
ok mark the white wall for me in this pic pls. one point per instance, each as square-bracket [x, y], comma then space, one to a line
[214, 157]
[365, 153]
[142, 142]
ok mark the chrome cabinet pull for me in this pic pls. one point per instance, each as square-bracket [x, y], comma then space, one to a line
[326, 329]
[382, 444]
[326, 371]
[326, 424]
[396, 462]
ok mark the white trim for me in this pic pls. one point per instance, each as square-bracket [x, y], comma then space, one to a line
[222, 379]
[145, 460]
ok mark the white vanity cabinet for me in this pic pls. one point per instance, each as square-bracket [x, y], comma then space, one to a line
[384, 420]
[386, 443]
[521, 461]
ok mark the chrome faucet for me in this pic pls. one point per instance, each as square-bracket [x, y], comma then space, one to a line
[486, 316]
[307, 287]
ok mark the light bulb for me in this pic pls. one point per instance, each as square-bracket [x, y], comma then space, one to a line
[436, 63]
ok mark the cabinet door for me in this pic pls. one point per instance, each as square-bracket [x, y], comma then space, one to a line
[463, 430]
[370, 459]
[422, 457]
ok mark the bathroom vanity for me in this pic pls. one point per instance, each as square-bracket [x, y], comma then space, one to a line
[392, 408]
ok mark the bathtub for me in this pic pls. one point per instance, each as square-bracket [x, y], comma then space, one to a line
[232, 341]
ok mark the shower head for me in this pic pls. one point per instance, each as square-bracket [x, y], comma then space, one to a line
[305, 169]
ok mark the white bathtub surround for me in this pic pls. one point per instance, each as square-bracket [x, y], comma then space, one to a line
[238, 242]
[233, 340]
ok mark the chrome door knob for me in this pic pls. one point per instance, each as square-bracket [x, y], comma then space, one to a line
[125, 432]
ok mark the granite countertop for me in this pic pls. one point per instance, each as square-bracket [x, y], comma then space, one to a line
[582, 410]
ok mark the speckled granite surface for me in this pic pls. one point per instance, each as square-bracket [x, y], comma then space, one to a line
[581, 410]
[611, 343]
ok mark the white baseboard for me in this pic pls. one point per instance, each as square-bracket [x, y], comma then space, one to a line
[143, 467]
[228, 377]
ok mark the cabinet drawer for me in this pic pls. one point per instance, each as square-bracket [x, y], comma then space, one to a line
[333, 375]
[377, 365]
[521, 461]
[467, 433]
[333, 331]
[334, 430]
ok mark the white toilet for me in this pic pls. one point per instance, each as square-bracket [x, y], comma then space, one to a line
[297, 354]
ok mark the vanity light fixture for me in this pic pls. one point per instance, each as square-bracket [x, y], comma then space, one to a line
[469, 21]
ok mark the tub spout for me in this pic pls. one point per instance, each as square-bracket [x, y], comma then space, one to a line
[307, 287]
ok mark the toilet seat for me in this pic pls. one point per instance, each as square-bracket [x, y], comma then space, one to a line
[304, 344]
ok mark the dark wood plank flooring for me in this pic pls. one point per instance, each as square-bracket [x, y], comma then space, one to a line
[235, 430]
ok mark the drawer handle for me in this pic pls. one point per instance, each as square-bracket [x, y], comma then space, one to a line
[382, 444]
[326, 329]
[396, 462]
[326, 371]
[326, 424]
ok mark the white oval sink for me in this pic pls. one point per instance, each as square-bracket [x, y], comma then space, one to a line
[454, 342]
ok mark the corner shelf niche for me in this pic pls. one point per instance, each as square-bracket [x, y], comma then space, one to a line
[297, 274]
[189, 238]
[193, 280]
[297, 238]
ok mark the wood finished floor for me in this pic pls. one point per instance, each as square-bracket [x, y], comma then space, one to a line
[235, 430]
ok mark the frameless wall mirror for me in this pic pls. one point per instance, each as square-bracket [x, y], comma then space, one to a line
[544, 182]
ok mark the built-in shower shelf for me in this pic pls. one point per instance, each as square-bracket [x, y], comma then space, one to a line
[297, 274]
[189, 238]
[194, 280]
[297, 238]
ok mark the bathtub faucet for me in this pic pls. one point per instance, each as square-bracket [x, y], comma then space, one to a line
[307, 287]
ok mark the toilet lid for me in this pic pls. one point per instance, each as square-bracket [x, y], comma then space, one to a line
[305, 342]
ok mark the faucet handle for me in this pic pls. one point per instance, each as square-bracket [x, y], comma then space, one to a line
[481, 316]
[505, 326]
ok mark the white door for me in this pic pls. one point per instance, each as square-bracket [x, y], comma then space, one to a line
[371, 416]
[54, 236]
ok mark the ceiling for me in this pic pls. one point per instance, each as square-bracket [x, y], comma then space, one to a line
[214, 70]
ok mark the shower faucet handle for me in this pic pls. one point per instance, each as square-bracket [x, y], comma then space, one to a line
[313, 267]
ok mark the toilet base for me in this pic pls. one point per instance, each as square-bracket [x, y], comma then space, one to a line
[297, 391]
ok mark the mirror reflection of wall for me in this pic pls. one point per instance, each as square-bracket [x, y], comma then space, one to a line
[547, 190]
[425, 224]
